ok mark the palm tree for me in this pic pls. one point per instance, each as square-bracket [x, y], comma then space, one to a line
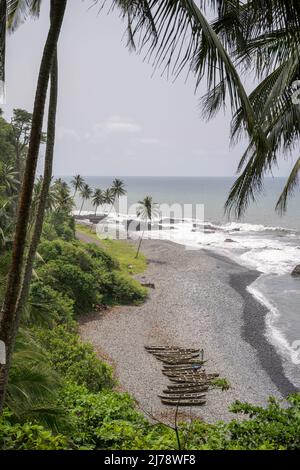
[3, 19]
[146, 210]
[97, 199]
[118, 189]
[85, 193]
[109, 198]
[9, 179]
[9, 322]
[64, 202]
[77, 183]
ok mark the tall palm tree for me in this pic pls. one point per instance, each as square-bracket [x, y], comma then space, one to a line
[109, 198]
[118, 189]
[85, 193]
[146, 210]
[77, 183]
[97, 199]
[3, 19]
[8, 321]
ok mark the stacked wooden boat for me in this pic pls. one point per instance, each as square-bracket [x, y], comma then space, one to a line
[184, 368]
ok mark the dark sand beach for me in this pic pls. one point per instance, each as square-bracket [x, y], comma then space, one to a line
[200, 301]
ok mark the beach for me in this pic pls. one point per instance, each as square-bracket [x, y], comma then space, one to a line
[200, 300]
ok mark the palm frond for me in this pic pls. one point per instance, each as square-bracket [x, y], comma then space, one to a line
[289, 188]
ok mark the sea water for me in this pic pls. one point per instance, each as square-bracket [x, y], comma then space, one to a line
[262, 240]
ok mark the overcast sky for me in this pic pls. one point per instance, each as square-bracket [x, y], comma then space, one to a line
[114, 117]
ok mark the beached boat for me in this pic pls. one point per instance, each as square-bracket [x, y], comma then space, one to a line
[191, 402]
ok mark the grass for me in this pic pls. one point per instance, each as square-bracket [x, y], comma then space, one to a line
[121, 250]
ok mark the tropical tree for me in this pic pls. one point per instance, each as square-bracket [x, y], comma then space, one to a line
[9, 179]
[77, 183]
[3, 18]
[118, 189]
[97, 199]
[146, 210]
[85, 193]
[109, 198]
[9, 322]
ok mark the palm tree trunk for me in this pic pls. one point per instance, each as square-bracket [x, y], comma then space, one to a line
[81, 207]
[15, 273]
[39, 219]
[140, 243]
[3, 17]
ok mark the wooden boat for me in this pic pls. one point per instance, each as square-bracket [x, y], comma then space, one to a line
[196, 396]
[183, 403]
[165, 349]
[188, 380]
[186, 390]
[184, 374]
[177, 357]
[188, 362]
[179, 387]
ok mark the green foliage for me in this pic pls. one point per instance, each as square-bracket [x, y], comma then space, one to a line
[93, 412]
[127, 290]
[123, 251]
[70, 280]
[34, 386]
[29, 436]
[221, 383]
[48, 306]
[74, 359]
[87, 274]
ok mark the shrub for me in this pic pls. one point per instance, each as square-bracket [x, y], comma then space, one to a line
[100, 255]
[74, 359]
[28, 436]
[127, 290]
[49, 306]
[70, 253]
[92, 412]
[70, 280]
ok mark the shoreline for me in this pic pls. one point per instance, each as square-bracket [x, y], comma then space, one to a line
[255, 327]
[200, 299]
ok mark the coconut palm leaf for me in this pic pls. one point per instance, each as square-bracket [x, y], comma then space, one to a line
[33, 385]
[183, 38]
[289, 188]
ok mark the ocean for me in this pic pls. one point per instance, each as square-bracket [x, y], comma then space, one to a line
[262, 240]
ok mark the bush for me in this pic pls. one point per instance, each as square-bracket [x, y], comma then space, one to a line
[127, 290]
[28, 436]
[87, 274]
[100, 255]
[92, 412]
[70, 280]
[49, 306]
[74, 359]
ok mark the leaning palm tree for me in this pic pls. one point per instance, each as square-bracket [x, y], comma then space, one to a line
[118, 189]
[146, 210]
[97, 199]
[77, 183]
[85, 193]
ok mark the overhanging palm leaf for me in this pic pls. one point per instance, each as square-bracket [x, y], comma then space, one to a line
[33, 385]
[289, 188]
[182, 37]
